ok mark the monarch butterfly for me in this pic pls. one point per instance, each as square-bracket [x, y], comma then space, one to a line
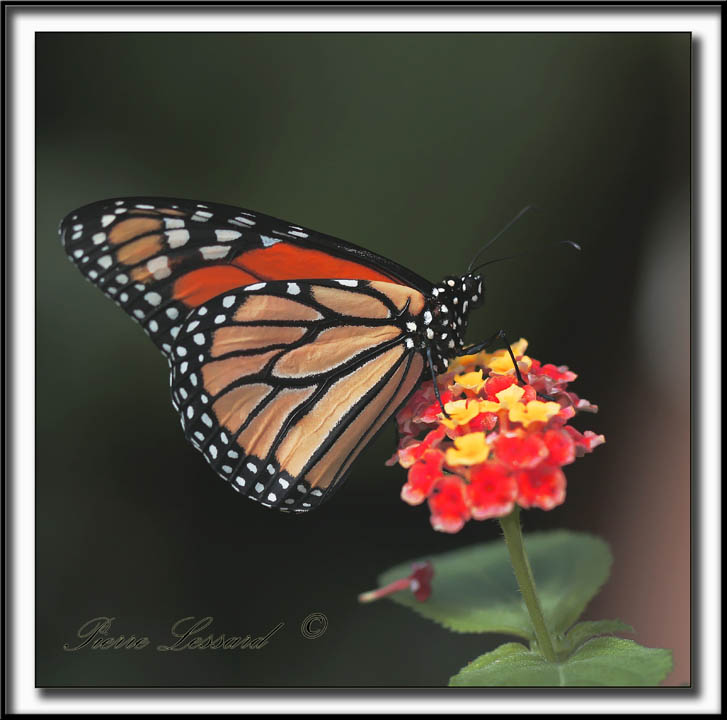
[288, 349]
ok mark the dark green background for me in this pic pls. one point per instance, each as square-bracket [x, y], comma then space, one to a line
[419, 147]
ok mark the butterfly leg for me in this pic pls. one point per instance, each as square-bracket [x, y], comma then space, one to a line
[500, 335]
[434, 381]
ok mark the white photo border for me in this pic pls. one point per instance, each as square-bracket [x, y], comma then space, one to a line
[22, 22]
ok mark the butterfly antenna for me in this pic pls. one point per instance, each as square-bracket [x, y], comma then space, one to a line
[505, 229]
[570, 243]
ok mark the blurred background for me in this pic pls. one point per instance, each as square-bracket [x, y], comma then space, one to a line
[419, 147]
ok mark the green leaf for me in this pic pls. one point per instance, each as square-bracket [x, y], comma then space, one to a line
[474, 588]
[583, 631]
[607, 661]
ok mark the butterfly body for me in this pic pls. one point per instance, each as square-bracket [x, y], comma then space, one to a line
[288, 349]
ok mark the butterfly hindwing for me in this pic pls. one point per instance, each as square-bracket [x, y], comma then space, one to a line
[281, 384]
[159, 258]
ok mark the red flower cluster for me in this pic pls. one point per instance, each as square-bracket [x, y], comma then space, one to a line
[501, 443]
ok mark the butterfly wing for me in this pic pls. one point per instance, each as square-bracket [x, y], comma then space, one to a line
[159, 258]
[281, 384]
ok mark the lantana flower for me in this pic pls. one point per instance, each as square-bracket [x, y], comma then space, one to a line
[498, 445]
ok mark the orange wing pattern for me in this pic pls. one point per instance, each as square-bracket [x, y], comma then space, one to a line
[158, 258]
[281, 384]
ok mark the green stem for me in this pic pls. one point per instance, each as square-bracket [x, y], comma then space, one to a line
[524, 575]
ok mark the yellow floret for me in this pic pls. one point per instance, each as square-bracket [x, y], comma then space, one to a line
[535, 411]
[510, 396]
[460, 413]
[471, 380]
[469, 450]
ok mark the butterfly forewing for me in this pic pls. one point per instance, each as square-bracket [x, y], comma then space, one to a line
[281, 384]
[159, 258]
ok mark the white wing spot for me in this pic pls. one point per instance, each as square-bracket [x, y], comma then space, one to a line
[272, 497]
[173, 313]
[153, 325]
[220, 319]
[153, 298]
[177, 238]
[243, 220]
[283, 483]
[255, 286]
[240, 481]
[106, 261]
[107, 220]
[171, 223]
[293, 289]
[298, 233]
[214, 252]
[251, 467]
[213, 451]
[192, 325]
[98, 238]
[229, 301]
[190, 412]
[207, 420]
[268, 241]
[199, 338]
[227, 235]
[348, 283]
[159, 267]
